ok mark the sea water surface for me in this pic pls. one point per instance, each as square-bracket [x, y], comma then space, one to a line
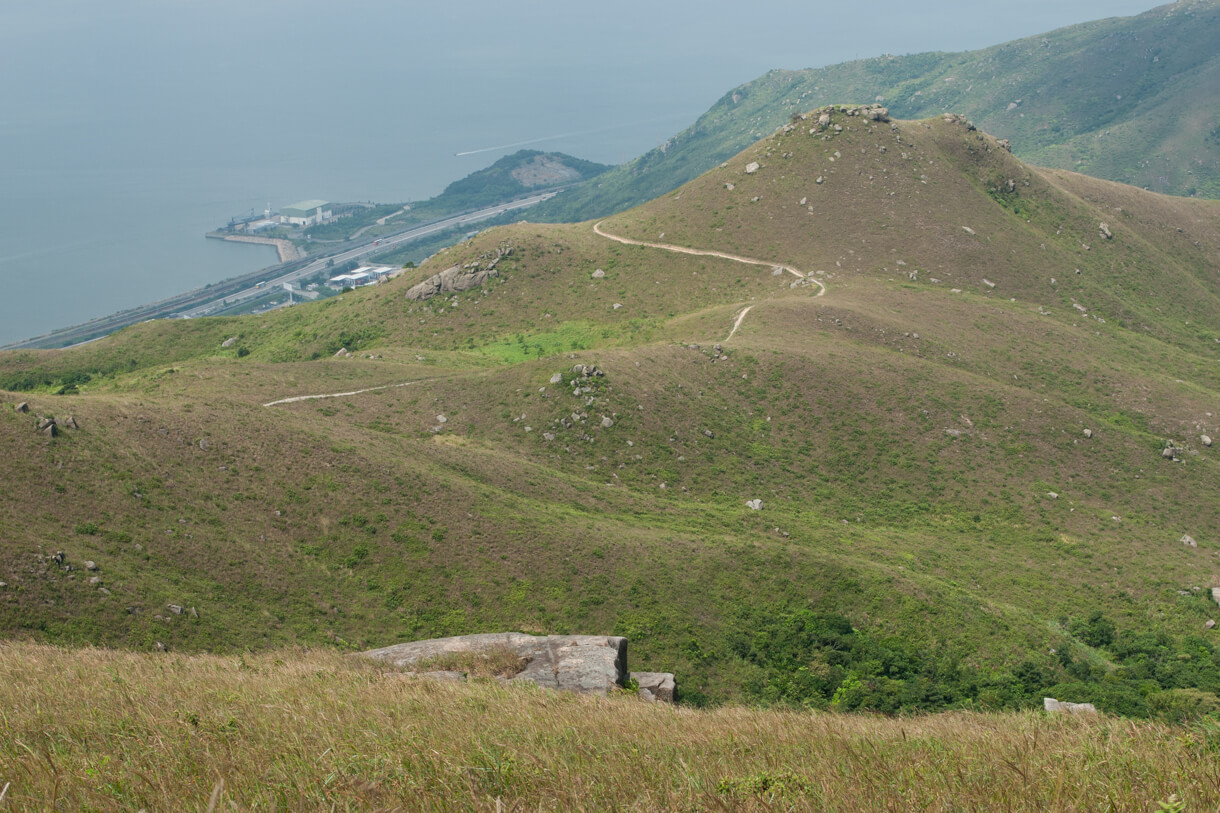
[129, 128]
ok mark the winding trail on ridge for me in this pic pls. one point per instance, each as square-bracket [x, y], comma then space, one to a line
[597, 228]
[294, 399]
[698, 252]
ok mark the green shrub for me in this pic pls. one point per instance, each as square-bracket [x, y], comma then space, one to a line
[1183, 705]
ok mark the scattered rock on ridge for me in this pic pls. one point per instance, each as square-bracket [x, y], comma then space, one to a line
[754, 505]
[598, 274]
[1188, 541]
[23, 407]
[229, 342]
[1088, 433]
[1205, 440]
[752, 167]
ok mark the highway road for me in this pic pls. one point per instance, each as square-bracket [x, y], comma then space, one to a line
[382, 245]
[204, 301]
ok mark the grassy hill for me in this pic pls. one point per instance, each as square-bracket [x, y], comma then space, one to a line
[937, 529]
[1128, 99]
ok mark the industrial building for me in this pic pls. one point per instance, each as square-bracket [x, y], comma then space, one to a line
[306, 213]
[365, 275]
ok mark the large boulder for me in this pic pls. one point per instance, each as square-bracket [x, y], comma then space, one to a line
[450, 281]
[1054, 706]
[655, 685]
[588, 664]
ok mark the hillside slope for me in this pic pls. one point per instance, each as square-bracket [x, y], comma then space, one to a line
[934, 526]
[1128, 99]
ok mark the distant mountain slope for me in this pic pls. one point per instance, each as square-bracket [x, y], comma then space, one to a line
[1133, 99]
[523, 171]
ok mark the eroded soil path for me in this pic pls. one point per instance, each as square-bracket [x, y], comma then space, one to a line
[699, 252]
[294, 399]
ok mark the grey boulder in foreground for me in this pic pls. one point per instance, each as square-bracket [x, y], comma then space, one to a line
[586, 664]
[1061, 707]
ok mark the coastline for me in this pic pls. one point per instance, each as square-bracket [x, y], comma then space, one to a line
[287, 251]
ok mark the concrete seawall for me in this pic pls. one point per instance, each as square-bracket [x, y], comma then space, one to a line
[286, 249]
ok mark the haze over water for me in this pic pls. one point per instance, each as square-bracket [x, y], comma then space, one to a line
[130, 128]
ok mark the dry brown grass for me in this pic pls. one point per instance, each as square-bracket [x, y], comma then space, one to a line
[497, 661]
[104, 730]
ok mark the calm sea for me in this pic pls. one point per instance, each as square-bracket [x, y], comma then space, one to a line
[129, 128]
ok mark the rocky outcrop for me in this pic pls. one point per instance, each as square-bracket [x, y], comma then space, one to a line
[586, 664]
[1054, 706]
[452, 280]
[460, 278]
[655, 685]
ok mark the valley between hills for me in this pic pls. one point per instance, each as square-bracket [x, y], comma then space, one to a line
[871, 417]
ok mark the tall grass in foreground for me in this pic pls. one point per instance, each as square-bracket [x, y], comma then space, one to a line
[297, 730]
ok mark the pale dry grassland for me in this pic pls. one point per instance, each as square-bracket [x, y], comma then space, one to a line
[297, 730]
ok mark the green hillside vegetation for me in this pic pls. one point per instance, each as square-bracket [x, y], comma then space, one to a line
[1128, 99]
[936, 531]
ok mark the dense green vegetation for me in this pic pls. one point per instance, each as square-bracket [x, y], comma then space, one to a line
[1127, 99]
[805, 658]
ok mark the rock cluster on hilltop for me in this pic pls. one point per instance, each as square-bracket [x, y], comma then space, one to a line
[586, 664]
[460, 278]
[46, 424]
[822, 116]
